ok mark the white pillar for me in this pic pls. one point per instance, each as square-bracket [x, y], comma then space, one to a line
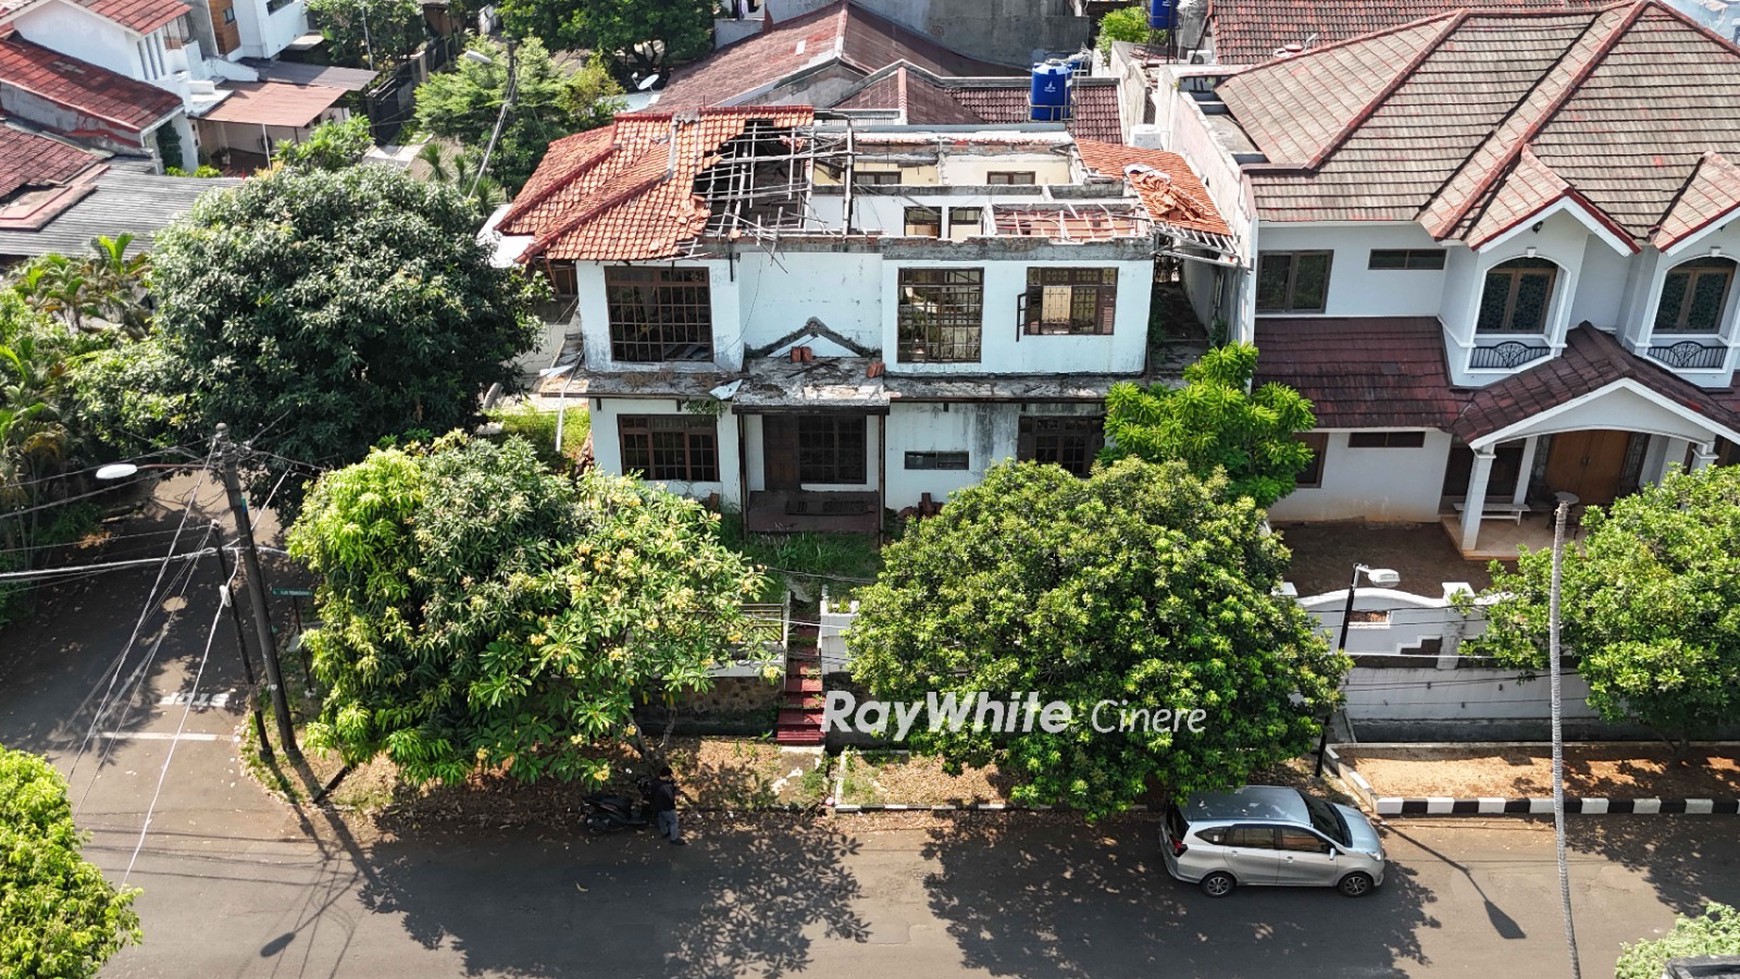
[1475, 501]
[1530, 444]
[1703, 454]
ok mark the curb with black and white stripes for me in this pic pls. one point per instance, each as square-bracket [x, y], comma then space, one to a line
[1487, 806]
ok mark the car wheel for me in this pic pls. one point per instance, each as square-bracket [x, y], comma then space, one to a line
[1218, 884]
[1355, 885]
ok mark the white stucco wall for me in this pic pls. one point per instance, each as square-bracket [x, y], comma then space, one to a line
[607, 445]
[266, 33]
[1355, 289]
[1379, 485]
[78, 33]
[780, 294]
[1601, 287]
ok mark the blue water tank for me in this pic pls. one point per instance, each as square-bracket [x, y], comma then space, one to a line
[1050, 92]
[1161, 14]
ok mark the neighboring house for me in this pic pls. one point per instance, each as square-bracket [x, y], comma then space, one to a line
[1011, 32]
[1250, 32]
[92, 105]
[1496, 250]
[56, 197]
[812, 320]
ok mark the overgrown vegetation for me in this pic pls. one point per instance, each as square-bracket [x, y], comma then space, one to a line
[1715, 932]
[330, 146]
[1127, 24]
[525, 420]
[804, 562]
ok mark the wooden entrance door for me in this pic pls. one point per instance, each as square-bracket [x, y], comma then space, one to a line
[1588, 463]
[779, 452]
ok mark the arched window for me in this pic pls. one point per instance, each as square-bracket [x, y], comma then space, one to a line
[1695, 296]
[1517, 295]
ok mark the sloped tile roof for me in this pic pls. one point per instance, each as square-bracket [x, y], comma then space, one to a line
[1528, 189]
[29, 160]
[844, 32]
[1248, 32]
[920, 99]
[1712, 191]
[143, 16]
[627, 191]
[1586, 92]
[1170, 191]
[1361, 373]
[1093, 106]
[1590, 361]
[83, 87]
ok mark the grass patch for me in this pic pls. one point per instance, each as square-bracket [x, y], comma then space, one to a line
[539, 428]
[841, 561]
[898, 778]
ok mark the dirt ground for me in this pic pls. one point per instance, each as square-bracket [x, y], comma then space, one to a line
[1324, 556]
[880, 778]
[1614, 771]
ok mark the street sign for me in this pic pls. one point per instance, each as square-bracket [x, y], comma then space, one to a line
[292, 593]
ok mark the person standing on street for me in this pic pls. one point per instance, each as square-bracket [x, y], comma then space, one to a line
[664, 804]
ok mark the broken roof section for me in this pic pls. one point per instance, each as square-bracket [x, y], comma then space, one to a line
[1169, 190]
[1430, 121]
[842, 35]
[629, 190]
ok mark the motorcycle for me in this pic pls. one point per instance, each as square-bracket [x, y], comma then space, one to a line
[611, 813]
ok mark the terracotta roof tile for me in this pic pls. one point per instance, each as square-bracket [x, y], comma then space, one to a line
[1093, 106]
[1248, 32]
[627, 191]
[1361, 373]
[1712, 191]
[86, 88]
[1590, 361]
[1583, 91]
[843, 31]
[29, 160]
[143, 16]
[1170, 191]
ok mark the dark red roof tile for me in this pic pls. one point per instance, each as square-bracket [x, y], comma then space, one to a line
[1249, 32]
[1170, 191]
[84, 87]
[1361, 373]
[143, 16]
[29, 160]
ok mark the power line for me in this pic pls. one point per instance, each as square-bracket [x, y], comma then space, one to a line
[105, 566]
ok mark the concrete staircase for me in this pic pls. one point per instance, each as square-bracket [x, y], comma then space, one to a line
[800, 710]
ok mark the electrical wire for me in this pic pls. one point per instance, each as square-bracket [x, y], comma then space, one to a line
[105, 566]
[92, 469]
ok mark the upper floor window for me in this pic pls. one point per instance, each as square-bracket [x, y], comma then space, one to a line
[1517, 295]
[965, 222]
[923, 222]
[875, 178]
[941, 314]
[1292, 282]
[1002, 178]
[659, 314]
[1694, 296]
[1407, 259]
[670, 447]
[1070, 301]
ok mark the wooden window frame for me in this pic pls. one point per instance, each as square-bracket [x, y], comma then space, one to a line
[680, 448]
[916, 218]
[659, 314]
[1515, 272]
[1012, 178]
[1693, 271]
[973, 225]
[1092, 303]
[941, 315]
[841, 458]
[1406, 260]
[1289, 302]
[876, 178]
[1070, 441]
[938, 460]
[1311, 477]
[1415, 439]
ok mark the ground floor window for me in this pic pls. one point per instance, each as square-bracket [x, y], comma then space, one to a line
[1312, 475]
[832, 449]
[677, 448]
[1500, 482]
[936, 460]
[1070, 441]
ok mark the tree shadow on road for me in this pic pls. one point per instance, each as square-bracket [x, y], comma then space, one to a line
[1671, 852]
[749, 896]
[1025, 899]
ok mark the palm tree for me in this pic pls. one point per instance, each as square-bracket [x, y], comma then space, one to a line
[117, 283]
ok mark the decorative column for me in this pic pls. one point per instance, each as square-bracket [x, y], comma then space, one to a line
[1703, 454]
[1475, 501]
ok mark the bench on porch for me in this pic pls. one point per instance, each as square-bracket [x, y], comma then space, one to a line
[1514, 512]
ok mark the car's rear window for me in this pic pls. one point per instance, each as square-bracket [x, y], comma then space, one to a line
[1325, 820]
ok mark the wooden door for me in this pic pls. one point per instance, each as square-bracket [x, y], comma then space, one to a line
[779, 452]
[1588, 463]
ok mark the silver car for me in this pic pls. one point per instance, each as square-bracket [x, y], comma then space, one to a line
[1267, 834]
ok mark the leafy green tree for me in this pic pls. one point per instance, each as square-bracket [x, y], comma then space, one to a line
[648, 35]
[1216, 422]
[1715, 932]
[550, 101]
[1142, 586]
[59, 919]
[478, 610]
[1127, 24]
[331, 146]
[330, 307]
[1650, 606]
[370, 34]
[102, 290]
[458, 167]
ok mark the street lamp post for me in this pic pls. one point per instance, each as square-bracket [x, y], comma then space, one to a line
[1381, 578]
[509, 93]
[561, 396]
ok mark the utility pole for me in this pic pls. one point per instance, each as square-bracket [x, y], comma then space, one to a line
[509, 92]
[1553, 667]
[257, 593]
[229, 600]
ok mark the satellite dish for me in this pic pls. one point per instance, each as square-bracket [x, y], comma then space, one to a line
[647, 82]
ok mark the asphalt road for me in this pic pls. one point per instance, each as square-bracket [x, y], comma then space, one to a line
[236, 885]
